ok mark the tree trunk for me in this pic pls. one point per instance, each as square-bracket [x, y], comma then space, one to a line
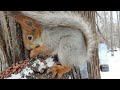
[12, 34]
[15, 51]
[111, 20]
[118, 20]
[3, 55]
[93, 66]
[105, 26]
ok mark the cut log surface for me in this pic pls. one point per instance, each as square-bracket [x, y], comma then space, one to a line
[40, 67]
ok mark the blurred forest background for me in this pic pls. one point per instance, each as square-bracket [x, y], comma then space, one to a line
[108, 26]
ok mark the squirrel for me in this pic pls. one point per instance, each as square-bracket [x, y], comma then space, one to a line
[63, 33]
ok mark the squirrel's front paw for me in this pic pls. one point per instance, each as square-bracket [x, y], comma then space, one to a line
[33, 53]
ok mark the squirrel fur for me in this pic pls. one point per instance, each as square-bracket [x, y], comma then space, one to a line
[63, 33]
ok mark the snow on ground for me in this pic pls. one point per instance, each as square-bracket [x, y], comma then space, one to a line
[28, 71]
[22, 75]
[114, 66]
[49, 62]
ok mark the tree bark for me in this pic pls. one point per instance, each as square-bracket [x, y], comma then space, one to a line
[111, 20]
[118, 20]
[3, 55]
[12, 34]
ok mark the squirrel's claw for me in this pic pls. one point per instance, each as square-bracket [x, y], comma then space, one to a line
[59, 70]
[33, 53]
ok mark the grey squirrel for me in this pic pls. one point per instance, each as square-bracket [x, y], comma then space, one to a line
[63, 33]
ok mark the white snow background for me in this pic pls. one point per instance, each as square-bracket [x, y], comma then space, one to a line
[114, 66]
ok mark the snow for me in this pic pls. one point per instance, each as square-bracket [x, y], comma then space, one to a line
[114, 66]
[40, 64]
[49, 62]
[35, 63]
[15, 76]
[103, 57]
[27, 71]
[22, 75]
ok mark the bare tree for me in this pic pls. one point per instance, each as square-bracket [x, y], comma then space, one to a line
[105, 25]
[111, 19]
[118, 27]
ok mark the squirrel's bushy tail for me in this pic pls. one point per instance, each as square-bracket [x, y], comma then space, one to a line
[65, 18]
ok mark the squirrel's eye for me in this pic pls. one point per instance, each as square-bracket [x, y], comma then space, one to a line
[30, 37]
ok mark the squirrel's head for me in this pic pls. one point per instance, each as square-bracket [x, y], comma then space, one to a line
[31, 31]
